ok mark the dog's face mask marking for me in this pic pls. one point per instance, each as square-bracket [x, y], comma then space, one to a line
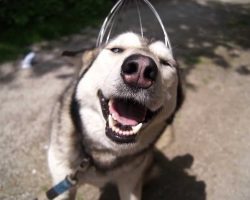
[128, 92]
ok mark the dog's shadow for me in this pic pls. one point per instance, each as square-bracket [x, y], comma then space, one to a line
[173, 182]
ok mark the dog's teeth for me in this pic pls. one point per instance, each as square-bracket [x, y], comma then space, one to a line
[125, 132]
[131, 133]
[110, 102]
[111, 122]
[136, 128]
[113, 128]
[114, 117]
[117, 130]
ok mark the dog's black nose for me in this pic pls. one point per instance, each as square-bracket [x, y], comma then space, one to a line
[139, 71]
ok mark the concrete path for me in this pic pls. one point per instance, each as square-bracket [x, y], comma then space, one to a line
[208, 158]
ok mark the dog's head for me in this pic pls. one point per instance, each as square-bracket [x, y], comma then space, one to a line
[127, 92]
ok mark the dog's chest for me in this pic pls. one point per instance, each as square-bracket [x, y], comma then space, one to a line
[115, 173]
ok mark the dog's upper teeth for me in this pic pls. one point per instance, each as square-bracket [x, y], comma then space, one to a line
[110, 102]
[136, 128]
[111, 122]
[114, 117]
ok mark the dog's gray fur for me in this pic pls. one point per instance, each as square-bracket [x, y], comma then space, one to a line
[79, 126]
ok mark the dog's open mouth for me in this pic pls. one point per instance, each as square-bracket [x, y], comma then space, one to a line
[125, 118]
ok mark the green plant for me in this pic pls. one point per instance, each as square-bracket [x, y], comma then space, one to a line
[25, 22]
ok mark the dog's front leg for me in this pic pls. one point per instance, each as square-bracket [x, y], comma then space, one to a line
[59, 170]
[130, 182]
[130, 190]
[58, 175]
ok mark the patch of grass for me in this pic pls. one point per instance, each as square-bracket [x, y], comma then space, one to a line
[234, 22]
[26, 22]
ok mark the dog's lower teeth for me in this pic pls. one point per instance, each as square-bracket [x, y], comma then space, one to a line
[117, 130]
[136, 128]
[112, 124]
[125, 132]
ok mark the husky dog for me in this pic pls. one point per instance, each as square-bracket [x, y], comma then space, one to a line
[113, 113]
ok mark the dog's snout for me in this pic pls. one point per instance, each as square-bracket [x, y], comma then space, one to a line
[139, 71]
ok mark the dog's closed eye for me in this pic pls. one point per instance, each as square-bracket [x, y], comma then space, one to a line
[117, 50]
[165, 62]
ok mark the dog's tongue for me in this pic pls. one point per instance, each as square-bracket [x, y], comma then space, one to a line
[127, 112]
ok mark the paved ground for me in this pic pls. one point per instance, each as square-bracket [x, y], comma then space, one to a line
[208, 158]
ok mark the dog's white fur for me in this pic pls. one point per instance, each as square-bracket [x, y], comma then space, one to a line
[104, 74]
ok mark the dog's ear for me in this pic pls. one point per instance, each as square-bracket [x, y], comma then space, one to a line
[179, 97]
[88, 58]
[83, 57]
